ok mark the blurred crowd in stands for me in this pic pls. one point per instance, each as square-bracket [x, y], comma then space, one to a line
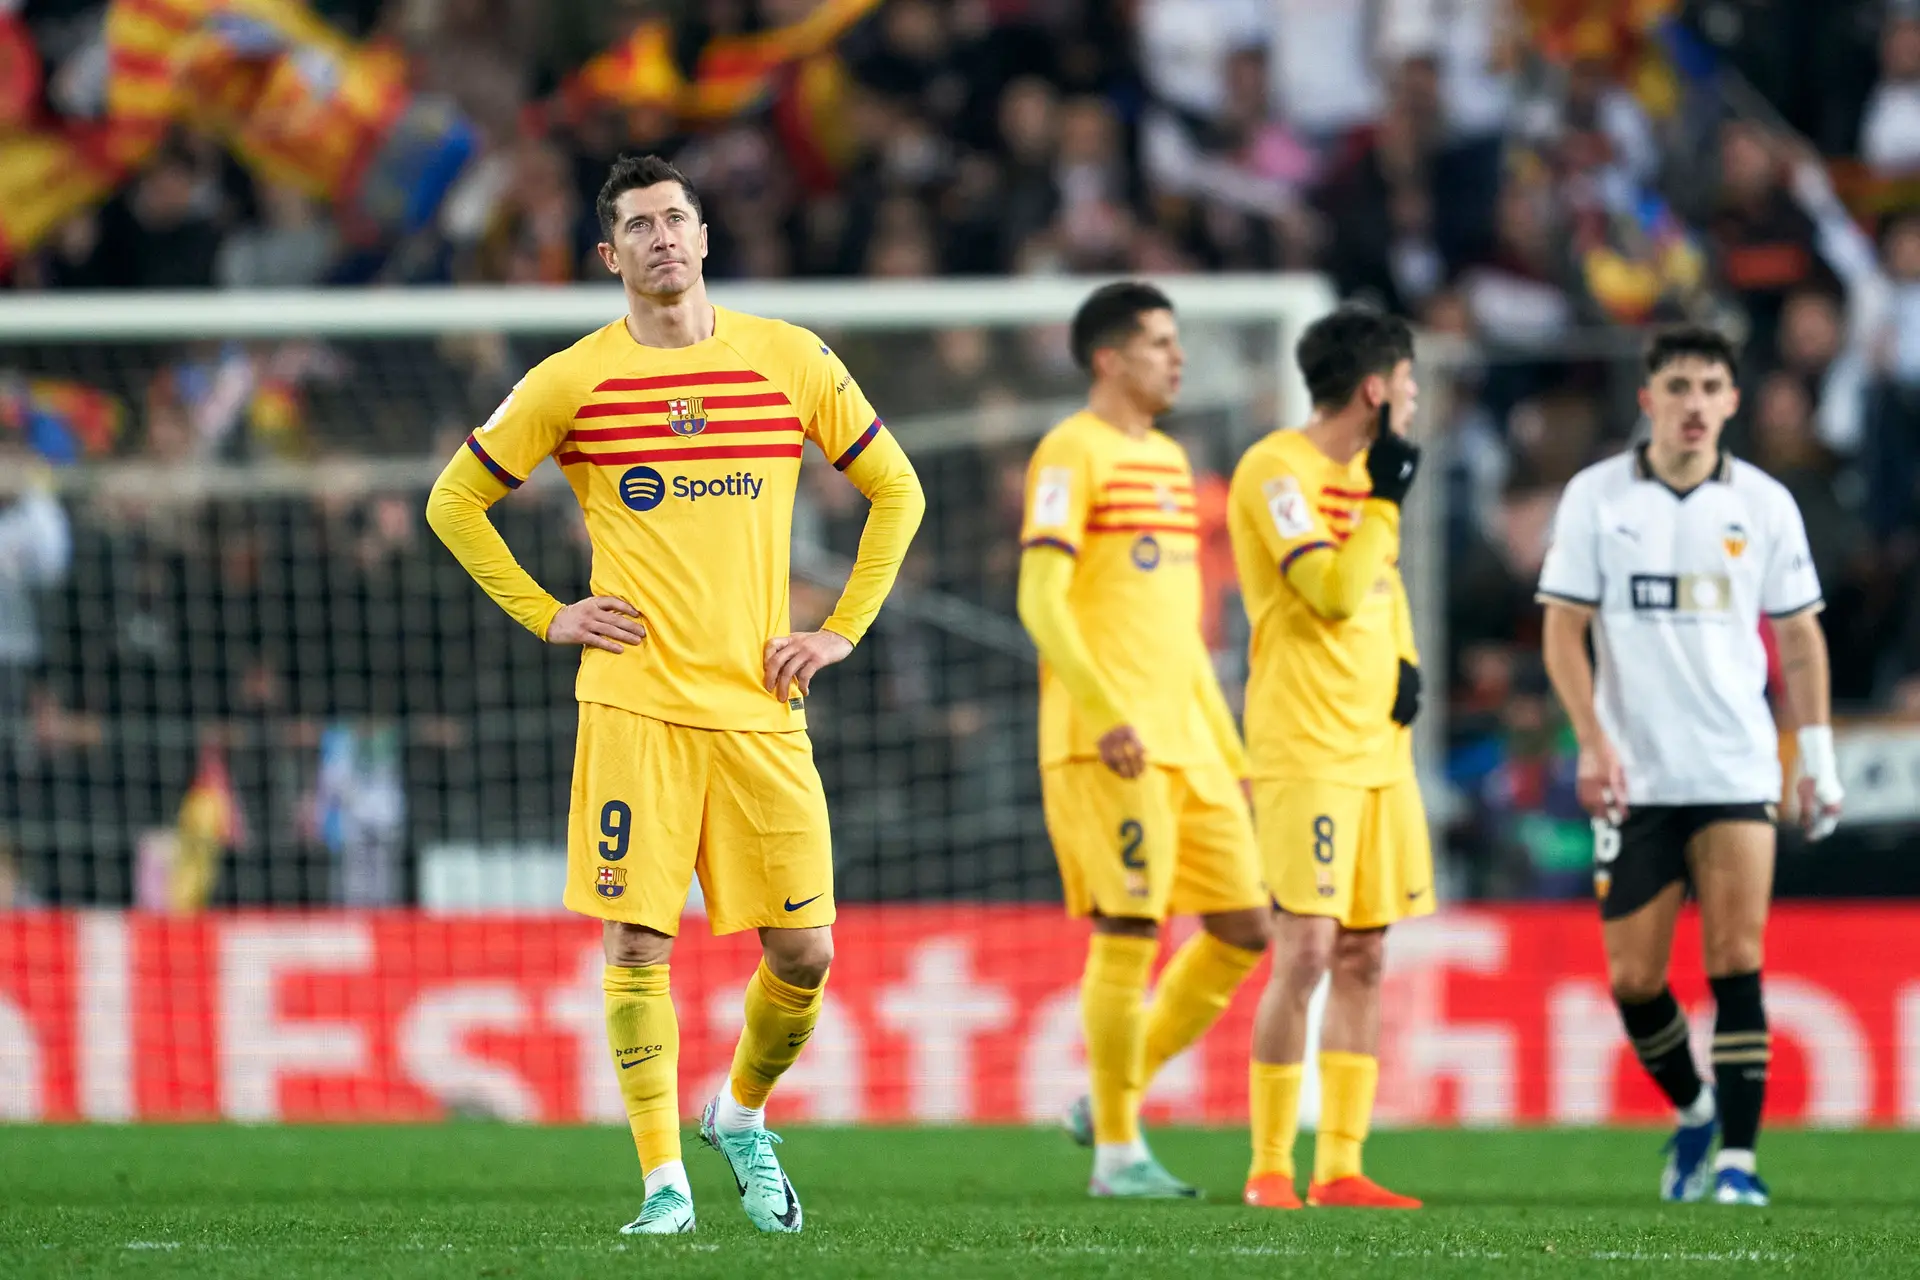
[1531, 179]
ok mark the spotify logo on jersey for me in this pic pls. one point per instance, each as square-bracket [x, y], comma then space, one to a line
[642, 488]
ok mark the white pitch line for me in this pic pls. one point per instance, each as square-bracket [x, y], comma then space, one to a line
[1075, 1250]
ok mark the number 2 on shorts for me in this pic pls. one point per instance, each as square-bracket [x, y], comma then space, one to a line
[616, 824]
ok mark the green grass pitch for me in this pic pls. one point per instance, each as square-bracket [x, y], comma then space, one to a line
[484, 1200]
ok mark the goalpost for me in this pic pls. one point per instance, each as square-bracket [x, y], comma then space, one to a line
[259, 682]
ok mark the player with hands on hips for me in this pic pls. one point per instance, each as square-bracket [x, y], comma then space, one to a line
[692, 756]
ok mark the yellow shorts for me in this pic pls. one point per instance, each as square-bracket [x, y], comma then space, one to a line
[1360, 855]
[656, 803]
[1171, 841]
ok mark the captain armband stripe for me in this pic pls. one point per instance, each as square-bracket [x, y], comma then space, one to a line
[858, 447]
[500, 473]
[1287, 561]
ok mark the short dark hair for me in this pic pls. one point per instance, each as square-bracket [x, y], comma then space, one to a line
[632, 173]
[1345, 347]
[1677, 342]
[1110, 315]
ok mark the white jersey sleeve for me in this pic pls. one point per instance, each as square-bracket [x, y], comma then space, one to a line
[1791, 584]
[1571, 572]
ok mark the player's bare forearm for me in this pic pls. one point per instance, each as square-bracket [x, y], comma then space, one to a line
[1803, 668]
[791, 661]
[1601, 778]
[457, 513]
[1335, 583]
[897, 505]
[1046, 573]
[1563, 648]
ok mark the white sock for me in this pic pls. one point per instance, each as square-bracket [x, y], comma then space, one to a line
[1734, 1158]
[733, 1117]
[1701, 1109]
[1111, 1157]
[671, 1174]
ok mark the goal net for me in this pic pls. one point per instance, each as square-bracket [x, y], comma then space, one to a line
[292, 790]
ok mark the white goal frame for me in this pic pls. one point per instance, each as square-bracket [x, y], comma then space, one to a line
[1286, 302]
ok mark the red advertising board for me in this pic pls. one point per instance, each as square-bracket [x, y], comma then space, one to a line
[938, 1014]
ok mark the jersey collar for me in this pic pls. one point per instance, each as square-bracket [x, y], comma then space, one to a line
[1643, 470]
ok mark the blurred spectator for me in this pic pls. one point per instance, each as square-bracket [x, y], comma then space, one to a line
[536, 231]
[1891, 449]
[1029, 127]
[1763, 241]
[1518, 296]
[1324, 65]
[1811, 338]
[1380, 209]
[1787, 447]
[1093, 189]
[1242, 156]
[1185, 46]
[1602, 134]
[161, 234]
[291, 247]
[1890, 134]
[1905, 664]
[15, 893]
[35, 547]
[1474, 46]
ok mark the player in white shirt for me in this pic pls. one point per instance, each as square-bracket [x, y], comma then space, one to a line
[1670, 553]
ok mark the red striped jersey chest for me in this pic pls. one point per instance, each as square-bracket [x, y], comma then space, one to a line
[721, 414]
[1144, 497]
[1338, 503]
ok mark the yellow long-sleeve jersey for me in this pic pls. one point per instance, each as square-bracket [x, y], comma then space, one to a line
[1318, 560]
[685, 462]
[1110, 592]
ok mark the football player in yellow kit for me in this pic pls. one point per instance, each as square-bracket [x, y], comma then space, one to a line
[1334, 683]
[680, 426]
[1141, 766]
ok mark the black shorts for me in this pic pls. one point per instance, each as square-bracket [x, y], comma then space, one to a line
[1634, 861]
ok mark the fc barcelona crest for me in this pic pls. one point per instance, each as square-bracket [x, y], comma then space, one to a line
[687, 417]
[611, 882]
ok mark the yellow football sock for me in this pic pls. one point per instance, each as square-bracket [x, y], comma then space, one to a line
[1194, 990]
[780, 1018]
[1347, 1082]
[644, 1035]
[1273, 1107]
[1114, 1016]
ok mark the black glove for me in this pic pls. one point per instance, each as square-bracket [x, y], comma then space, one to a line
[1406, 697]
[1391, 461]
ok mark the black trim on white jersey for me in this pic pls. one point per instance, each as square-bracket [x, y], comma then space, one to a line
[1814, 605]
[1561, 597]
[1643, 470]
